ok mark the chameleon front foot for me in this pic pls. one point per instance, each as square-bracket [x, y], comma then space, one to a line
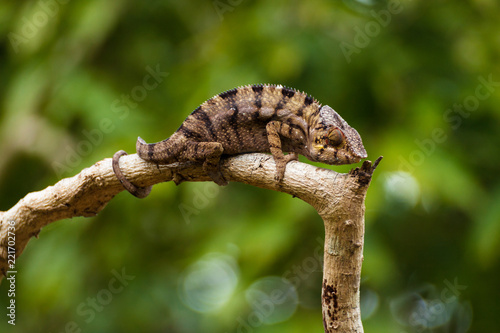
[139, 192]
[281, 163]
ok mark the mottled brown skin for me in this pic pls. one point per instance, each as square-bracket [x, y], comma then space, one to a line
[250, 119]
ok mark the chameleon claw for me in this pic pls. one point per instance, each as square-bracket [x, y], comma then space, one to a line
[178, 179]
[219, 179]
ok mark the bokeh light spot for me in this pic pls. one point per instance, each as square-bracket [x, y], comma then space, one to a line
[273, 299]
[209, 282]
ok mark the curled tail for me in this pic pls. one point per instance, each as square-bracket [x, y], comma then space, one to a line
[140, 192]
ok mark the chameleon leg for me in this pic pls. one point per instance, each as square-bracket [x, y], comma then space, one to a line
[274, 130]
[140, 192]
[208, 152]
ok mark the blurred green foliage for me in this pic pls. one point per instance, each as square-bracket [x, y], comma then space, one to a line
[411, 76]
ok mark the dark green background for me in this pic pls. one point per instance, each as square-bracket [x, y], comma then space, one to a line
[399, 72]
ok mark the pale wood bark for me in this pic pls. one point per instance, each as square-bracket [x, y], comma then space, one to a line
[338, 198]
[343, 251]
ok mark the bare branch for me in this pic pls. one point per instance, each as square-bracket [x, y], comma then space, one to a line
[338, 198]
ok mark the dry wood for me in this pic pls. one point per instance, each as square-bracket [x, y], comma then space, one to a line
[338, 198]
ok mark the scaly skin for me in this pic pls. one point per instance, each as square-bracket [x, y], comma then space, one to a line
[251, 119]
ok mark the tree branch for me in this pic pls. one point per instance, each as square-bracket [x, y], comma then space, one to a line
[338, 198]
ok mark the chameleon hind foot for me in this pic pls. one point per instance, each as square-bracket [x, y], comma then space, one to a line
[208, 152]
[212, 167]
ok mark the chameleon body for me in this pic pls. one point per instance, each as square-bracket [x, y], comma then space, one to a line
[254, 118]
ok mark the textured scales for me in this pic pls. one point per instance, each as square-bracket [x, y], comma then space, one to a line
[254, 118]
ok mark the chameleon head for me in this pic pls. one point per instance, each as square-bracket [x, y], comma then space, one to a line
[333, 141]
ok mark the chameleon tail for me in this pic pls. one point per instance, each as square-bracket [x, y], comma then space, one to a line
[144, 150]
[161, 152]
[140, 192]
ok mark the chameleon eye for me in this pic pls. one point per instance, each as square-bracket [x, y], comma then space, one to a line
[336, 138]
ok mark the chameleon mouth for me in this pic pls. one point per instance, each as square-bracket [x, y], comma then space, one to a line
[361, 155]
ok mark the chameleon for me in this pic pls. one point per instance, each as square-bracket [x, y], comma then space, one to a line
[252, 119]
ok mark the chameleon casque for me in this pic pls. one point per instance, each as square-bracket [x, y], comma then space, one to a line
[251, 119]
